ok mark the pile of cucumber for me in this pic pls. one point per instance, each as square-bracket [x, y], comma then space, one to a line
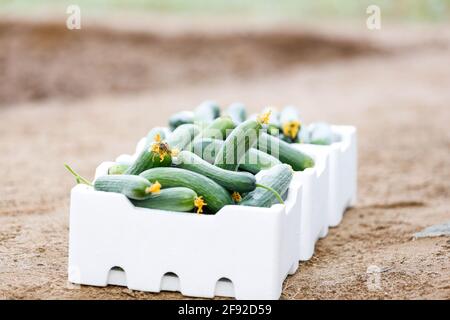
[207, 161]
[287, 126]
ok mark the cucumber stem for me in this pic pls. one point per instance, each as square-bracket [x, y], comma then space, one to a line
[78, 178]
[276, 194]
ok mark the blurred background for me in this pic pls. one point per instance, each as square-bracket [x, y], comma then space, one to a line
[85, 96]
[412, 10]
[125, 47]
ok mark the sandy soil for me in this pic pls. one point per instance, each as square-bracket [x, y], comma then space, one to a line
[396, 91]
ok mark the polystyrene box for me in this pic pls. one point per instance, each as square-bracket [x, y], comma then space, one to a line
[343, 164]
[328, 188]
[314, 213]
[242, 252]
[315, 200]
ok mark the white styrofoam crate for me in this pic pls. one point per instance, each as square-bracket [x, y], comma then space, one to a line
[242, 252]
[315, 200]
[343, 164]
[328, 188]
[255, 248]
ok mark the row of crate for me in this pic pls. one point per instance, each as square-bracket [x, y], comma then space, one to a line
[241, 252]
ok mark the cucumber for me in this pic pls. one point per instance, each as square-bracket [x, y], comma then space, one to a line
[157, 155]
[289, 113]
[278, 179]
[237, 112]
[180, 118]
[303, 136]
[134, 187]
[273, 130]
[320, 133]
[284, 152]
[231, 180]
[240, 140]
[214, 194]
[254, 160]
[153, 133]
[207, 148]
[172, 199]
[290, 123]
[220, 128]
[118, 169]
[206, 112]
[182, 136]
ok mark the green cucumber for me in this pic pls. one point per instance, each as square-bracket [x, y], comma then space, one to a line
[256, 160]
[289, 113]
[172, 199]
[304, 135]
[182, 136]
[220, 128]
[275, 179]
[240, 140]
[134, 187]
[214, 194]
[290, 124]
[273, 130]
[118, 169]
[231, 180]
[151, 136]
[207, 148]
[320, 133]
[253, 162]
[206, 112]
[157, 155]
[284, 152]
[181, 118]
[237, 112]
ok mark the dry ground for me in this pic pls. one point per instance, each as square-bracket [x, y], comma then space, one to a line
[395, 87]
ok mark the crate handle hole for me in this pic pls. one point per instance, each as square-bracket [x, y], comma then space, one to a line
[117, 276]
[170, 282]
[224, 288]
